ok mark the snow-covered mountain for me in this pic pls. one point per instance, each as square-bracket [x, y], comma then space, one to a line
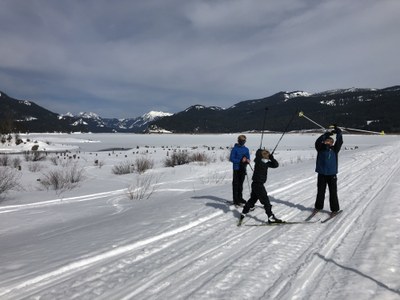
[151, 116]
[344, 91]
[89, 115]
[295, 94]
[68, 114]
[95, 123]
[199, 107]
[18, 115]
[138, 124]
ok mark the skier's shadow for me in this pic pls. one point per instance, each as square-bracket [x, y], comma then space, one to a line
[224, 205]
[290, 204]
[220, 203]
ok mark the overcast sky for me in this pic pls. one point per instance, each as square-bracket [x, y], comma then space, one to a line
[124, 58]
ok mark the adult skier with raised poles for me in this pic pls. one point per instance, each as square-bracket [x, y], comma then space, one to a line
[240, 158]
[327, 169]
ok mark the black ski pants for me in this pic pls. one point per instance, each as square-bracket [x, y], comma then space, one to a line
[237, 185]
[258, 192]
[331, 182]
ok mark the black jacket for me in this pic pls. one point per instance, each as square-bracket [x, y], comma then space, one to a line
[261, 167]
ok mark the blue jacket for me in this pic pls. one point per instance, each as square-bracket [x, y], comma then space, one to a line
[236, 156]
[327, 158]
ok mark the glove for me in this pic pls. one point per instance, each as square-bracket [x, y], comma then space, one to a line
[328, 134]
[271, 157]
[337, 129]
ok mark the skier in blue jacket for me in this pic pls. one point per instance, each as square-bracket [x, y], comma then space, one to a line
[327, 168]
[240, 158]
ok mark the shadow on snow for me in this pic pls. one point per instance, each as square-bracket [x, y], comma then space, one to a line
[329, 260]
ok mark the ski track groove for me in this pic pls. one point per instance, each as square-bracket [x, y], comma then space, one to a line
[83, 264]
[329, 239]
[251, 247]
[308, 273]
[79, 266]
[57, 278]
[60, 201]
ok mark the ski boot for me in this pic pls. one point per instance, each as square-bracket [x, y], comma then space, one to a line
[272, 219]
[241, 218]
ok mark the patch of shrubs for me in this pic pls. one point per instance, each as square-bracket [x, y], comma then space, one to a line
[34, 155]
[182, 157]
[140, 165]
[62, 179]
[9, 179]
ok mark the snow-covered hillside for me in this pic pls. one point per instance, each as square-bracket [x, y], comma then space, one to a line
[94, 242]
[291, 95]
[147, 118]
[95, 122]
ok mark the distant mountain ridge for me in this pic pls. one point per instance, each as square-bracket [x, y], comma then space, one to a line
[363, 108]
[95, 123]
[26, 116]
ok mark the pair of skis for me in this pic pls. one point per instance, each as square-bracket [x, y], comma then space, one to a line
[240, 223]
[282, 223]
[331, 215]
[308, 220]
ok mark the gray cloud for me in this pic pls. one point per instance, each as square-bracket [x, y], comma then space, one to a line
[124, 58]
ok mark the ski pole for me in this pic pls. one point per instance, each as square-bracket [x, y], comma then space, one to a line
[301, 114]
[286, 129]
[362, 130]
[248, 184]
[263, 126]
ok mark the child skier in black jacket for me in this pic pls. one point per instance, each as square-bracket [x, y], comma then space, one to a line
[263, 161]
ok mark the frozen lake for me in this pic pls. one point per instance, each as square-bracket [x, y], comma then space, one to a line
[102, 141]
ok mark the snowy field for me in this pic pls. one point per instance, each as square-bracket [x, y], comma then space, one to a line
[169, 232]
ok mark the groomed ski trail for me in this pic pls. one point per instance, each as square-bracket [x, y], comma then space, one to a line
[210, 258]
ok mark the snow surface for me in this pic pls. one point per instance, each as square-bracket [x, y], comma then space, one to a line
[348, 90]
[25, 102]
[291, 95]
[151, 115]
[94, 242]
